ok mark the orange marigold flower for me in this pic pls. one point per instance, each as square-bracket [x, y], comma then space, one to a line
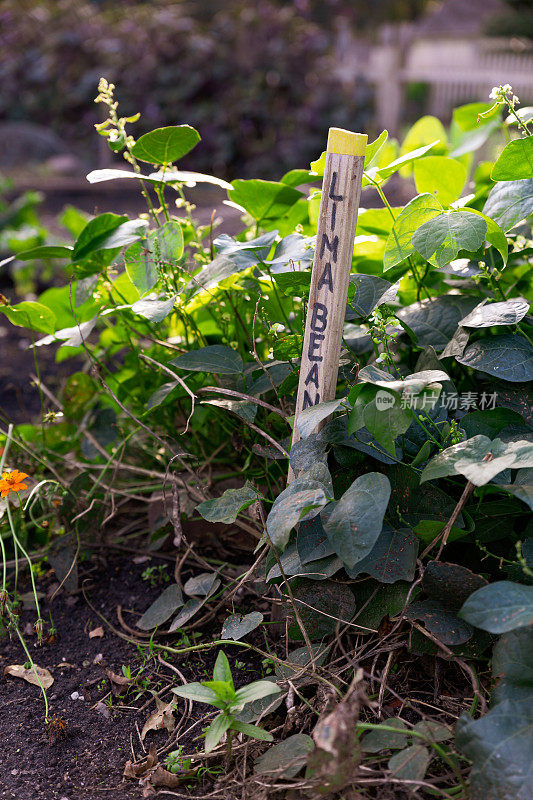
[12, 482]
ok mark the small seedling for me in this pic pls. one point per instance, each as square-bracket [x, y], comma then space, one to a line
[175, 763]
[156, 575]
[221, 693]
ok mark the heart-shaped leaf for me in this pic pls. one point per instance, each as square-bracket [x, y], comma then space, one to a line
[228, 506]
[236, 627]
[499, 607]
[515, 162]
[508, 312]
[508, 357]
[479, 459]
[285, 759]
[512, 666]
[439, 239]
[162, 609]
[215, 358]
[356, 520]
[165, 145]
[393, 557]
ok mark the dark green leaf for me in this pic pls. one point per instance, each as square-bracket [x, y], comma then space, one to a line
[376, 601]
[379, 739]
[311, 417]
[512, 666]
[321, 611]
[499, 607]
[236, 627]
[435, 321]
[443, 624]
[450, 584]
[162, 609]
[356, 520]
[509, 202]
[203, 585]
[393, 557]
[507, 357]
[509, 312]
[301, 500]
[227, 507]
[470, 459]
[499, 744]
[285, 759]
[215, 358]
[95, 233]
[410, 764]
[370, 291]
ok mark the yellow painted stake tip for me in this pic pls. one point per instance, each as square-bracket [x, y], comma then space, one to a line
[346, 143]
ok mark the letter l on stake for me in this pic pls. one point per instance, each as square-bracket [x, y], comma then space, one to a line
[341, 192]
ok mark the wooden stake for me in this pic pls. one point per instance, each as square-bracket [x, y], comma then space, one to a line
[341, 192]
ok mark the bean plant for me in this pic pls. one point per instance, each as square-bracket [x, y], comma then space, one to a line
[413, 488]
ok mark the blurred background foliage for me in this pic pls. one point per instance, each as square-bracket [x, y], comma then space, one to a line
[250, 76]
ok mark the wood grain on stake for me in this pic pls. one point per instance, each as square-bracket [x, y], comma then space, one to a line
[341, 192]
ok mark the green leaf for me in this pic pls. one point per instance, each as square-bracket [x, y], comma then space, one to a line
[399, 244]
[264, 199]
[188, 611]
[293, 283]
[95, 233]
[301, 500]
[312, 416]
[221, 670]
[157, 178]
[393, 557]
[50, 251]
[442, 622]
[450, 584]
[195, 691]
[510, 202]
[508, 312]
[442, 177]
[357, 519]
[507, 357]
[373, 148]
[236, 627]
[252, 730]
[435, 321]
[256, 691]
[413, 384]
[29, 314]
[203, 585]
[227, 507]
[499, 744]
[425, 130]
[318, 570]
[386, 420]
[469, 458]
[439, 239]
[285, 759]
[154, 310]
[141, 267]
[223, 689]
[216, 731]
[167, 243]
[522, 486]
[512, 666]
[499, 607]
[165, 145]
[382, 173]
[376, 601]
[215, 358]
[320, 611]
[433, 731]
[161, 394]
[410, 764]
[127, 233]
[379, 739]
[515, 162]
[370, 292]
[162, 609]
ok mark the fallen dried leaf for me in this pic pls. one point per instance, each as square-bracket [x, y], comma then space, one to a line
[28, 675]
[96, 633]
[163, 717]
[119, 683]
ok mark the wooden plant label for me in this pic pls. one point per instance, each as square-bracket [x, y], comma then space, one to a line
[341, 192]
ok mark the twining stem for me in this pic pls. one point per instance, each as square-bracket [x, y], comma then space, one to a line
[443, 535]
